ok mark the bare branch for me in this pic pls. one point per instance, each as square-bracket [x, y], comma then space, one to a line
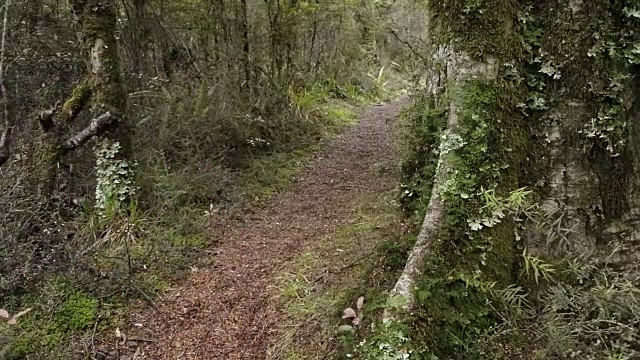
[96, 127]
[407, 44]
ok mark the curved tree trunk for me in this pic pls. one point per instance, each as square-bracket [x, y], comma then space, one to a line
[458, 69]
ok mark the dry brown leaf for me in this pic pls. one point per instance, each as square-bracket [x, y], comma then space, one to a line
[4, 314]
[360, 303]
[349, 313]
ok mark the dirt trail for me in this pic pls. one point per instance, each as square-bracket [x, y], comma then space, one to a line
[228, 311]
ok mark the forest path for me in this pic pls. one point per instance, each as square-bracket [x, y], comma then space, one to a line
[231, 310]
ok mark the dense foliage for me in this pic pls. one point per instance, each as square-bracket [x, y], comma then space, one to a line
[130, 128]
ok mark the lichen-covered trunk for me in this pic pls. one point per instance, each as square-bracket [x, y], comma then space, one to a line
[463, 84]
[592, 123]
[96, 21]
[545, 96]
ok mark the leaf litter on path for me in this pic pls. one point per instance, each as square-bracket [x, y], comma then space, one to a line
[229, 311]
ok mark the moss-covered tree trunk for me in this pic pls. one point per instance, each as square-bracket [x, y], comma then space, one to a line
[465, 84]
[545, 96]
[103, 91]
[96, 20]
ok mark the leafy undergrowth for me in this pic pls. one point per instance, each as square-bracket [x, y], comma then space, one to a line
[123, 260]
[361, 259]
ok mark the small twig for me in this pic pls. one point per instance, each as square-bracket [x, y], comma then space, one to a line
[348, 266]
[409, 46]
[147, 297]
[93, 336]
[142, 340]
[126, 247]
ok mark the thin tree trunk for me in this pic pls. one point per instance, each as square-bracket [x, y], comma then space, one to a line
[244, 25]
[5, 137]
[314, 35]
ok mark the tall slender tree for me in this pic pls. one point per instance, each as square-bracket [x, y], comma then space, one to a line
[5, 136]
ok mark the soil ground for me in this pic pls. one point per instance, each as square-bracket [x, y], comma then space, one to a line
[240, 308]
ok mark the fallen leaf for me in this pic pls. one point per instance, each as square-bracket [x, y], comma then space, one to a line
[345, 328]
[357, 321]
[349, 313]
[360, 303]
[118, 334]
[4, 314]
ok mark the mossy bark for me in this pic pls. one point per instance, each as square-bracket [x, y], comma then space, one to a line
[560, 114]
[96, 21]
[591, 99]
[471, 41]
[102, 90]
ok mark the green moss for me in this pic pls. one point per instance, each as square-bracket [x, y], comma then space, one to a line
[339, 115]
[422, 125]
[78, 100]
[452, 295]
[187, 241]
[77, 313]
[45, 331]
[266, 175]
[480, 27]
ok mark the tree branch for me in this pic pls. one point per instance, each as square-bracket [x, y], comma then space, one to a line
[73, 106]
[96, 127]
[69, 111]
[407, 44]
